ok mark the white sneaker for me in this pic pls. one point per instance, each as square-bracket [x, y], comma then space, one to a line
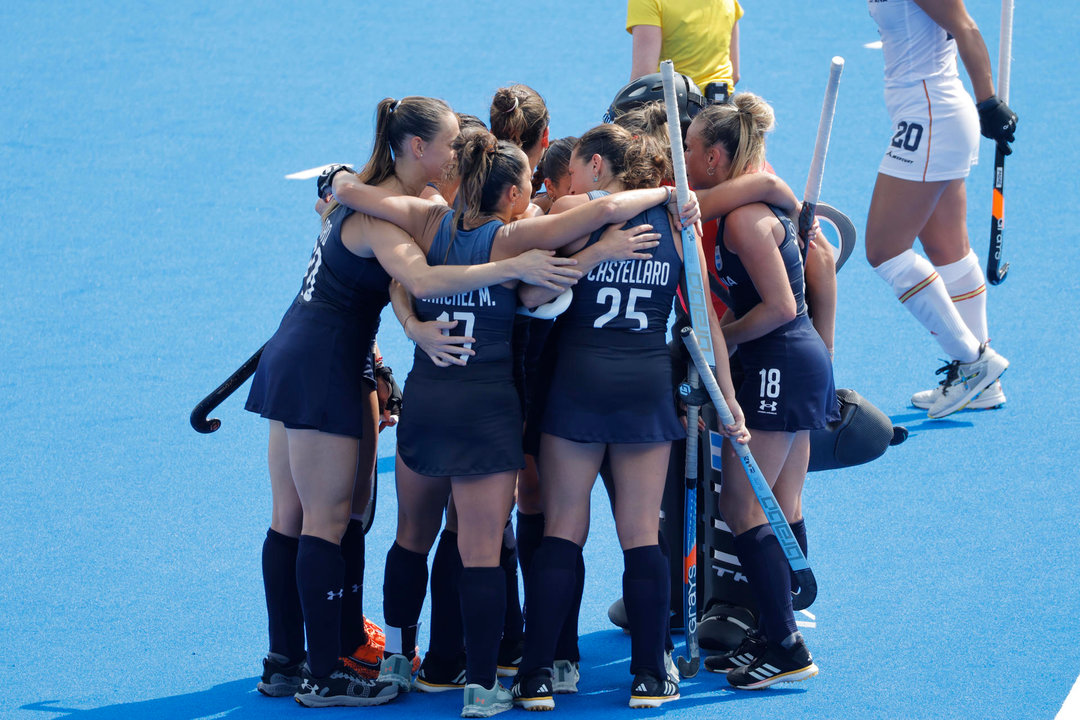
[565, 677]
[991, 397]
[481, 702]
[671, 668]
[964, 381]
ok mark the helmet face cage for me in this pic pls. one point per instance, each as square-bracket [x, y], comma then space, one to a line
[648, 88]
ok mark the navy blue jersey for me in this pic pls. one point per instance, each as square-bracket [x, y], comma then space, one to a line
[341, 281]
[629, 295]
[486, 314]
[731, 272]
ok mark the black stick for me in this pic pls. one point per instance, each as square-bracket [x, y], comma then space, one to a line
[199, 419]
[995, 270]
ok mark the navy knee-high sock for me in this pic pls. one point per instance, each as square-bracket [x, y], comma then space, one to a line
[530, 531]
[353, 634]
[548, 597]
[483, 602]
[320, 572]
[513, 623]
[404, 585]
[675, 606]
[282, 598]
[767, 568]
[567, 647]
[798, 529]
[447, 638]
[646, 593]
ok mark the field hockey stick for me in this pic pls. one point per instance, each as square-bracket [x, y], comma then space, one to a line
[995, 270]
[699, 320]
[773, 513]
[821, 148]
[695, 302]
[199, 415]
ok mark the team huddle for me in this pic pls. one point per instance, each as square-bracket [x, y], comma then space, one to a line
[540, 279]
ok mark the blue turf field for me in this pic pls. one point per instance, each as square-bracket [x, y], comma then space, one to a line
[150, 243]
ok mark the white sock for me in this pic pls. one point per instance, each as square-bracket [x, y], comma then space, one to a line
[922, 292]
[966, 285]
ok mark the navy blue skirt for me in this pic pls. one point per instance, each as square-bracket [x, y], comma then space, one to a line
[612, 387]
[788, 380]
[315, 372]
[460, 420]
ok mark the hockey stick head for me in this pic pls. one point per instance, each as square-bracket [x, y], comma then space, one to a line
[688, 668]
[997, 275]
[807, 590]
[200, 422]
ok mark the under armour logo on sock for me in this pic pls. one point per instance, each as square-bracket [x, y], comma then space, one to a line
[356, 588]
[331, 595]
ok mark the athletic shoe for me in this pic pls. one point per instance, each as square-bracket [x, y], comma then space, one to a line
[280, 677]
[534, 691]
[397, 669]
[776, 664]
[752, 646]
[649, 691]
[481, 702]
[510, 652]
[343, 687]
[964, 381]
[990, 398]
[723, 627]
[366, 660]
[671, 668]
[616, 613]
[375, 634]
[565, 677]
[437, 675]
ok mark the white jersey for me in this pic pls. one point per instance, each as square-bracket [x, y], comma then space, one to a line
[916, 48]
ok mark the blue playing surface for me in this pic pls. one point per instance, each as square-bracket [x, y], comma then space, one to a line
[151, 242]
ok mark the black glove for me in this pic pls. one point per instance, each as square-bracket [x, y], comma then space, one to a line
[393, 403]
[998, 122]
[325, 183]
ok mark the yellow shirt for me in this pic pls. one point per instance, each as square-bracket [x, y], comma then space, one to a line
[696, 34]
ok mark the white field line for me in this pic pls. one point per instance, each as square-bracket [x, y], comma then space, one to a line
[307, 174]
[1070, 710]
[876, 45]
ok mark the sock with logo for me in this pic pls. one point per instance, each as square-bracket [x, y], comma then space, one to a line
[282, 598]
[548, 597]
[966, 285]
[353, 633]
[446, 636]
[483, 602]
[513, 622]
[646, 595]
[404, 587]
[766, 567]
[921, 290]
[320, 573]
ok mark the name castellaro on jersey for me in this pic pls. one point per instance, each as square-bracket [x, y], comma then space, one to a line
[632, 272]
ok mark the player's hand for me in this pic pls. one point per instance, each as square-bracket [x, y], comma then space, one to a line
[688, 215]
[617, 243]
[736, 431]
[998, 122]
[543, 269]
[389, 394]
[324, 186]
[435, 340]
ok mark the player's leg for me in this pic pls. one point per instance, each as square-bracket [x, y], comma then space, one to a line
[640, 471]
[363, 652]
[568, 471]
[483, 503]
[281, 667]
[421, 500]
[444, 663]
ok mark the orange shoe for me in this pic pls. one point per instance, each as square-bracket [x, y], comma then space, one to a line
[366, 660]
[375, 634]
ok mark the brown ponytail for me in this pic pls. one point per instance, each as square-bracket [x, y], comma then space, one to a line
[520, 115]
[395, 122]
[487, 166]
[635, 161]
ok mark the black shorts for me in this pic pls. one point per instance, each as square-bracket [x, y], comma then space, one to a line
[788, 380]
[460, 421]
[612, 387]
[315, 373]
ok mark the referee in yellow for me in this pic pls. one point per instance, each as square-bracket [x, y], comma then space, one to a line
[700, 36]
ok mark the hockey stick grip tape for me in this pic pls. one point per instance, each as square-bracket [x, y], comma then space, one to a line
[821, 145]
[678, 160]
[1005, 50]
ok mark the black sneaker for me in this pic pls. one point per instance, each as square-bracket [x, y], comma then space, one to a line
[439, 675]
[281, 677]
[752, 646]
[723, 627]
[534, 691]
[343, 686]
[776, 664]
[510, 652]
[649, 691]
